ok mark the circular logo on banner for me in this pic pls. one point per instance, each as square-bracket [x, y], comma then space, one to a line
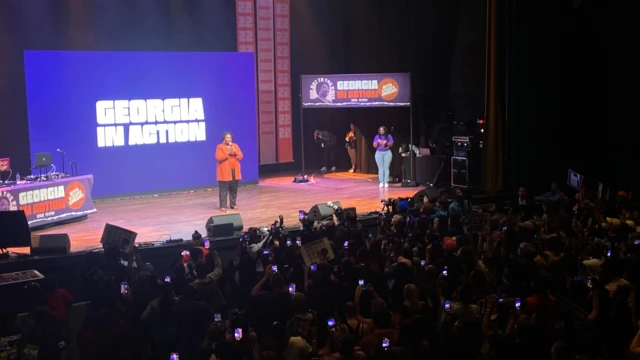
[322, 90]
[7, 202]
[75, 195]
[388, 89]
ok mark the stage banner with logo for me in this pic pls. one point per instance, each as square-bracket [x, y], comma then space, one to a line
[266, 82]
[49, 202]
[356, 90]
[283, 79]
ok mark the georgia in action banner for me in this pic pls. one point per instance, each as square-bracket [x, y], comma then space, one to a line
[354, 90]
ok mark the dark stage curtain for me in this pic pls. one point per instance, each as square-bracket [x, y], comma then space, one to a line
[492, 154]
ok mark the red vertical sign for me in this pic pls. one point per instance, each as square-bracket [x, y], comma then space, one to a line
[283, 79]
[266, 82]
[245, 28]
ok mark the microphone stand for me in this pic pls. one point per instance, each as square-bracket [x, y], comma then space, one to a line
[62, 153]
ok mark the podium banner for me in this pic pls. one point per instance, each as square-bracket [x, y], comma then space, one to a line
[356, 90]
[49, 202]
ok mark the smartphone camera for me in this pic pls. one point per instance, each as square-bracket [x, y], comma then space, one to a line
[517, 303]
[124, 288]
[423, 262]
[217, 318]
[608, 253]
[314, 267]
[292, 288]
[274, 268]
[298, 241]
[331, 322]
[207, 243]
[167, 279]
[301, 214]
[237, 334]
[501, 300]
[174, 356]
[362, 285]
[385, 343]
[346, 244]
[636, 242]
[447, 306]
[445, 272]
[266, 252]
[288, 242]
[504, 228]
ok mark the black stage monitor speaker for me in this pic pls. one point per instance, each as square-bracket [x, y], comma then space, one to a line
[459, 172]
[223, 225]
[15, 229]
[432, 193]
[320, 212]
[50, 244]
[350, 209]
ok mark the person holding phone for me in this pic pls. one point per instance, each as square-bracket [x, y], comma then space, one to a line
[228, 156]
[383, 143]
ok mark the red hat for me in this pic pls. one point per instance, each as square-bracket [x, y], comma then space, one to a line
[450, 245]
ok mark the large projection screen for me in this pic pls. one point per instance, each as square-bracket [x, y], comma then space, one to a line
[142, 122]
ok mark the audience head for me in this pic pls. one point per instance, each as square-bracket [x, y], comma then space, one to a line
[201, 270]
[112, 255]
[277, 282]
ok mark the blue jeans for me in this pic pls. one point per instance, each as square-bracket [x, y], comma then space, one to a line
[383, 159]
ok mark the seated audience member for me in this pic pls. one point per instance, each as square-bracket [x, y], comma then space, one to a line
[11, 336]
[60, 301]
[43, 340]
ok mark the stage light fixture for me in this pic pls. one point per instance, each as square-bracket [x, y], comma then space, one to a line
[300, 179]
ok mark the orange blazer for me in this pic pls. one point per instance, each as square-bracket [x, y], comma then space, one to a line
[226, 163]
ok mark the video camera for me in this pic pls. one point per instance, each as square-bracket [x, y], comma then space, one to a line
[338, 212]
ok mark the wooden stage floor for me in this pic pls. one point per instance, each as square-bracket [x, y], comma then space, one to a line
[157, 218]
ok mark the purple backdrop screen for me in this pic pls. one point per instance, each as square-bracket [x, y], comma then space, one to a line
[142, 122]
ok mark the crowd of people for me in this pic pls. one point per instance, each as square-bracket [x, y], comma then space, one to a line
[548, 277]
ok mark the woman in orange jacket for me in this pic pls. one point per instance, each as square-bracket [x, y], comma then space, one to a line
[228, 156]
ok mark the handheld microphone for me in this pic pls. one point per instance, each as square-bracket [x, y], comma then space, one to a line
[60, 151]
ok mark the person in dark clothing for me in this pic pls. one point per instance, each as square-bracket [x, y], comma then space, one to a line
[277, 300]
[352, 146]
[327, 141]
